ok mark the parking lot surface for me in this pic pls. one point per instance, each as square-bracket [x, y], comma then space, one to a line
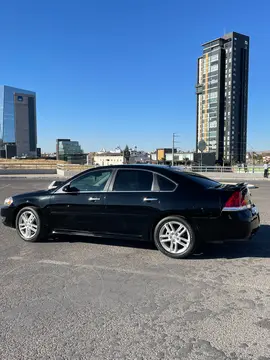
[79, 298]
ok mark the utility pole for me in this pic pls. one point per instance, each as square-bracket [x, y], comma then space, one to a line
[174, 135]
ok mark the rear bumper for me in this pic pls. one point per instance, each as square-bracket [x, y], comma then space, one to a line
[8, 215]
[230, 226]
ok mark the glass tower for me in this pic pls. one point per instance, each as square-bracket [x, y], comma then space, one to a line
[18, 119]
[222, 96]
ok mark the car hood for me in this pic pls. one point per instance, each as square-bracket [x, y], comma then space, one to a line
[33, 194]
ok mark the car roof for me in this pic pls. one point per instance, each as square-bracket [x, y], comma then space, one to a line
[152, 167]
[161, 169]
[172, 172]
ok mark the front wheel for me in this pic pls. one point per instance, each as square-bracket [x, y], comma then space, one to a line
[28, 224]
[174, 237]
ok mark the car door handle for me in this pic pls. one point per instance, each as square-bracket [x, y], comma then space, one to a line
[94, 199]
[148, 199]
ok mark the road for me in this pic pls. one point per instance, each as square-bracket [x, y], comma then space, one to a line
[101, 300]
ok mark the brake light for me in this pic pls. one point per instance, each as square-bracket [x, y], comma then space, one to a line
[236, 202]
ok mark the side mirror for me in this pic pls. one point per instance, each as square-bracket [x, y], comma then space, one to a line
[70, 189]
[55, 184]
[66, 188]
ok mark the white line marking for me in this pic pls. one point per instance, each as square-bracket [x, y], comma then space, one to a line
[15, 258]
[53, 262]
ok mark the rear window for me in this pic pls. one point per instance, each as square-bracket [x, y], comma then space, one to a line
[203, 181]
[165, 184]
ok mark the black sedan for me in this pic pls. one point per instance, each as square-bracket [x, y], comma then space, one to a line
[174, 209]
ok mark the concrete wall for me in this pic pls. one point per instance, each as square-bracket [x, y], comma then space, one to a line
[66, 173]
[27, 171]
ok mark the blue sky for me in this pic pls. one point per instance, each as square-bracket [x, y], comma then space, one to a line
[111, 72]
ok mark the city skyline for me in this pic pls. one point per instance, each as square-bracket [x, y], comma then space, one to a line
[117, 73]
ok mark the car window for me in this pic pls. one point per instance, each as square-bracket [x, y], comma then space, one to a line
[202, 180]
[165, 184]
[93, 181]
[133, 180]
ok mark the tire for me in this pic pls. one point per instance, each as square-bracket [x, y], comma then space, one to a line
[29, 224]
[171, 228]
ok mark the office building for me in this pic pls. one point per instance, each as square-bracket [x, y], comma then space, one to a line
[18, 125]
[222, 97]
[70, 151]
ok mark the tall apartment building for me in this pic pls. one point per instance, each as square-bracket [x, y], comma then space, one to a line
[18, 125]
[222, 97]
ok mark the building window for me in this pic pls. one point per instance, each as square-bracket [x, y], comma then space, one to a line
[214, 68]
[214, 57]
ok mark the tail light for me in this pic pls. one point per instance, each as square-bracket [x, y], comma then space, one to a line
[236, 202]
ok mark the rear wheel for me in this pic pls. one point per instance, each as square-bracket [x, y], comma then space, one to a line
[28, 224]
[174, 237]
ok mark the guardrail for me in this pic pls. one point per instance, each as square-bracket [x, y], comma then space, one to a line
[223, 169]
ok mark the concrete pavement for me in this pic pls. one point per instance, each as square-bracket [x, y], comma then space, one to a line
[92, 299]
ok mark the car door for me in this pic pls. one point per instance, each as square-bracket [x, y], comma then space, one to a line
[131, 203]
[79, 205]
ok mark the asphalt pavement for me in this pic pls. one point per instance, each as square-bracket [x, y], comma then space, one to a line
[78, 298]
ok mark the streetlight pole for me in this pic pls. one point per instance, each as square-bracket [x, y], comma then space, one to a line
[173, 136]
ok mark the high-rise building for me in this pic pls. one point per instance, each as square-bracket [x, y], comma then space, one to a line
[18, 126]
[222, 97]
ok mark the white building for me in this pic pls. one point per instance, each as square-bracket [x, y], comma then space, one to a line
[108, 158]
[116, 157]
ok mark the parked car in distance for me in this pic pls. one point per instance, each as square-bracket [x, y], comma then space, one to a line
[177, 210]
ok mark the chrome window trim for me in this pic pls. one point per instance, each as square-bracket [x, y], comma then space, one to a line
[154, 188]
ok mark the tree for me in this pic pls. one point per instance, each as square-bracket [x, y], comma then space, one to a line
[186, 160]
[126, 154]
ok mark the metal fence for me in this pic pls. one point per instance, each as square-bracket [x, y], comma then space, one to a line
[222, 169]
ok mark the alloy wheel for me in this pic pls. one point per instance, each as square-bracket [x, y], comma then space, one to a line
[174, 237]
[28, 225]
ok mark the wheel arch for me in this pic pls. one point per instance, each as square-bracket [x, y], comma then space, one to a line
[20, 207]
[168, 213]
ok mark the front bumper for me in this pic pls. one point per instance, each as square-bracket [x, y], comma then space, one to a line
[8, 215]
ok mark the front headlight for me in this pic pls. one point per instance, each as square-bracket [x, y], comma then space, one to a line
[8, 201]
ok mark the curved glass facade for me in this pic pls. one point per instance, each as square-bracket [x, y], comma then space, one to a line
[1, 113]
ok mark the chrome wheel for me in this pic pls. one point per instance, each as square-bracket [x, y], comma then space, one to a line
[174, 237]
[28, 225]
